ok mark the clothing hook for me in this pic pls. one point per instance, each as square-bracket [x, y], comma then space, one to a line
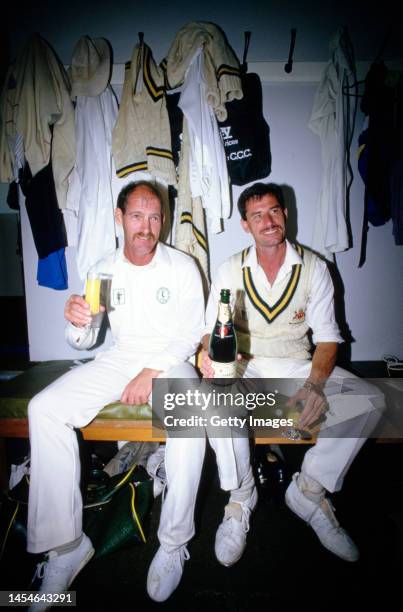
[288, 66]
[247, 36]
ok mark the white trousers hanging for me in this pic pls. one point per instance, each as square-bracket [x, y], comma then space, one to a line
[351, 418]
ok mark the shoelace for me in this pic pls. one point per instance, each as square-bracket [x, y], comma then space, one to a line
[328, 514]
[246, 512]
[182, 554]
[39, 571]
[42, 566]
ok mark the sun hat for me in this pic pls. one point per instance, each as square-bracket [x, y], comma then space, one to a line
[90, 67]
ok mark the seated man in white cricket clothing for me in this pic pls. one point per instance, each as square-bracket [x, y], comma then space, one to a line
[281, 292]
[156, 316]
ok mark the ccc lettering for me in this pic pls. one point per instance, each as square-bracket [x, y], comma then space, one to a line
[240, 154]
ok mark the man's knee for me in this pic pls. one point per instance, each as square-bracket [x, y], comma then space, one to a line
[181, 370]
[373, 395]
[42, 405]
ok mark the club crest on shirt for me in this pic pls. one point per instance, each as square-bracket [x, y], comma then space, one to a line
[299, 317]
[118, 297]
[163, 295]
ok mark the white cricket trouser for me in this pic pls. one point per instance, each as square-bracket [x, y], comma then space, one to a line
[349, 422]
[183, 464]
[73, 401]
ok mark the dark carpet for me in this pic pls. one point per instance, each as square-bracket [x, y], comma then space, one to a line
[284, 564]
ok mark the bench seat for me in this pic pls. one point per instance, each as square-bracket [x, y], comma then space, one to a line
[115, 421]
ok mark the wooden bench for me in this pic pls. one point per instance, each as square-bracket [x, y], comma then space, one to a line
[133, 423]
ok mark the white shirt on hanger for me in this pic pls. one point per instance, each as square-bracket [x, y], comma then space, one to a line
[208, 167]
[92, 225]
[329, 122]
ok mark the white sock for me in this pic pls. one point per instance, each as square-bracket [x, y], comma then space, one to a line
[311, 488]
[69, 547]
[234, 510]
[243, 493]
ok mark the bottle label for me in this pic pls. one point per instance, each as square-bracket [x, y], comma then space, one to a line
[224, 313]
[224, 370]
[224, 331]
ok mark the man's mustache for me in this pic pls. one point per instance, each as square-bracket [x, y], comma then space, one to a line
[144, 235]
[272, 227]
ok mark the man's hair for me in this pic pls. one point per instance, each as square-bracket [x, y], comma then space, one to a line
[131, 188]
[257, 192]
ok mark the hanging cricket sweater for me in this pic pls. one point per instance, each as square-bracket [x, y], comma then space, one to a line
[141, 137]
[36, 105]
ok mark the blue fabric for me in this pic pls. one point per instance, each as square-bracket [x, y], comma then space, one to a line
[52, 271]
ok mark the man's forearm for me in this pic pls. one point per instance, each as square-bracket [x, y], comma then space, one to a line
[323, 362]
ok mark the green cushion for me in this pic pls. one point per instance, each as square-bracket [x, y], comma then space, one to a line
[16, 393]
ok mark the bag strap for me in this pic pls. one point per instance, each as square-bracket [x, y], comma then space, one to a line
[134, 513]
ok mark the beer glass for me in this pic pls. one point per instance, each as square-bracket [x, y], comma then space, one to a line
[97, 294]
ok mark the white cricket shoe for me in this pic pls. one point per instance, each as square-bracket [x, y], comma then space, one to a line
[320, 516]
[58, 571]
[165, 572]
[230, 540]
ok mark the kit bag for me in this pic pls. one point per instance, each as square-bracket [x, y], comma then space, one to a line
[115, 509]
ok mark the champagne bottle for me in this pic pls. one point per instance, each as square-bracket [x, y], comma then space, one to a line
[223, 344]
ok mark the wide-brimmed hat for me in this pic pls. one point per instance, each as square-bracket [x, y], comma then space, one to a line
[90, 67]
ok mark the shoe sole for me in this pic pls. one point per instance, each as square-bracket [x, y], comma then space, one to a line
[150, 583]
[83, 563]
[232, 562]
